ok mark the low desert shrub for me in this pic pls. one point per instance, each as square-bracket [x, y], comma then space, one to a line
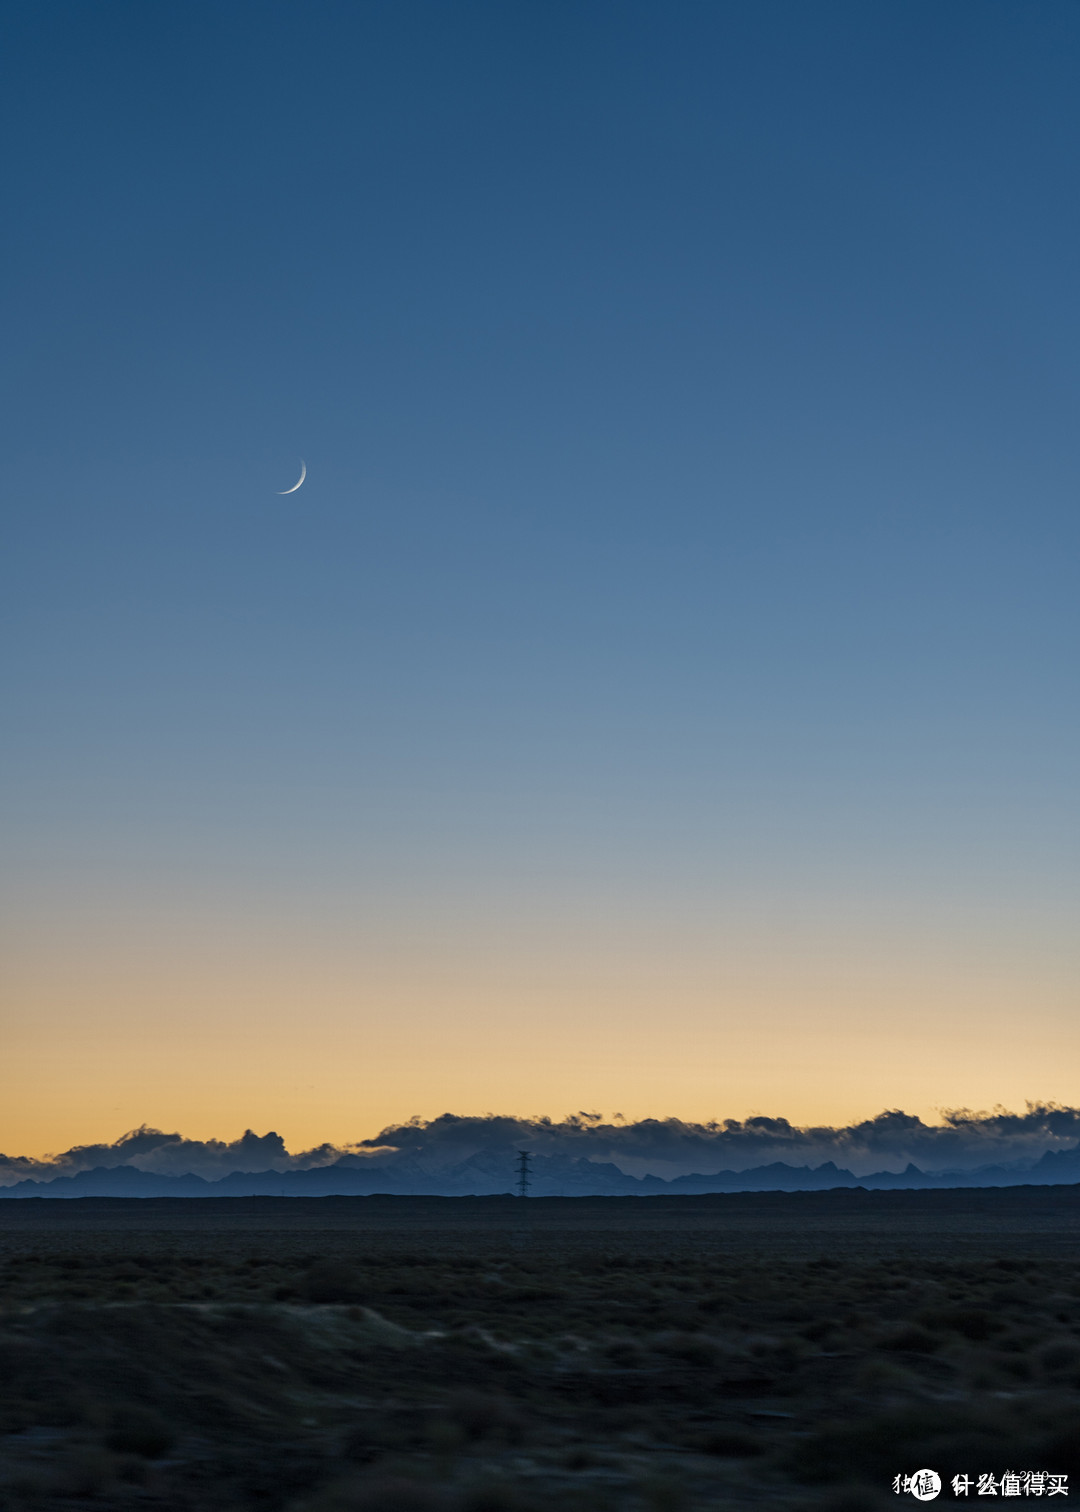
[1060, 1361]
[873, 1449]
[332, 1281]
[911, 1340]
[731, 1443]
[138, 1430]
[478, 1415]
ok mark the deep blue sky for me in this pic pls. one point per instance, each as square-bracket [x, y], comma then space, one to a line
[688, 554]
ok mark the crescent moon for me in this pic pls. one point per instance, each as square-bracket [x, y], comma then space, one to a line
[303, 475]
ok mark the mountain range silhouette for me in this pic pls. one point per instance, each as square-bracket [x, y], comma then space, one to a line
[489, 1174]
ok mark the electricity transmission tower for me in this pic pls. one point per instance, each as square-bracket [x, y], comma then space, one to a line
[523, 1173]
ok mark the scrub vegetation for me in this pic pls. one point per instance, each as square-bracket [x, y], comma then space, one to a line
[488, 1370]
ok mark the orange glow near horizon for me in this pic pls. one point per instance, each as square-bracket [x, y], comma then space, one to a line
[194, 1021]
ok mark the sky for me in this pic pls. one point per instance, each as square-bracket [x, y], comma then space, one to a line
[661, 696]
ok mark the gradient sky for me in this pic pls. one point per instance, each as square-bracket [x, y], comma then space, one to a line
[662, 695]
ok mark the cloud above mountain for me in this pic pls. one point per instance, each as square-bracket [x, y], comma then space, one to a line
[665, 1147]
[170, 1155]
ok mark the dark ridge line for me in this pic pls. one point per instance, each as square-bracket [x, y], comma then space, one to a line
[975, 1198]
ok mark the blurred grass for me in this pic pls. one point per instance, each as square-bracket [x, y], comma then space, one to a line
[191, 1373]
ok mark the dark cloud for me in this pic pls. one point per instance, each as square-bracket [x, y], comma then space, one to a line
[171, 1155]
[672, 1147]
[665, 1147]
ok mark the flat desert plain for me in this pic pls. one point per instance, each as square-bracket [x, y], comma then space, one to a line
[665, 1354]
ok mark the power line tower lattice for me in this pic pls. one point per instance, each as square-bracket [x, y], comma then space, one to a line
[524, 1174]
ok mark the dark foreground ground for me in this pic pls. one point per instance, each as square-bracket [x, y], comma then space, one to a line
[484, 1355]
